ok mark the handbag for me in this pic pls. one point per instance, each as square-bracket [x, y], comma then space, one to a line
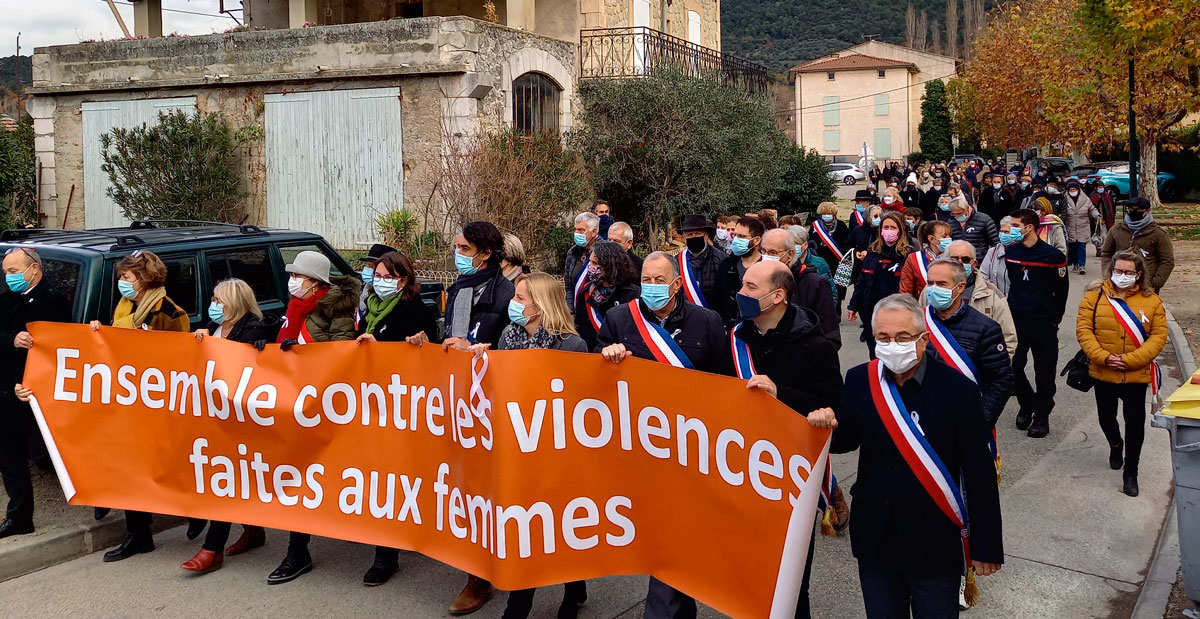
[845, 270]
[1076, 370]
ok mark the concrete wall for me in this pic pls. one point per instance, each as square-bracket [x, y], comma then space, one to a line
[857, 117]
[454, 76]
[619, 13]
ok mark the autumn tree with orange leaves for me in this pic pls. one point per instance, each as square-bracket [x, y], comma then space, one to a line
[1056, 71]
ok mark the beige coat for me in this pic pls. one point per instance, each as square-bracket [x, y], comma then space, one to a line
[988, 300]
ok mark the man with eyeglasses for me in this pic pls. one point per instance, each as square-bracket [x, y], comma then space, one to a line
[911, 419]
[24, 301]
[809, 290]
[982, 294]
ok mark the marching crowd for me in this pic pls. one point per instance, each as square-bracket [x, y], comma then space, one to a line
[957, 276]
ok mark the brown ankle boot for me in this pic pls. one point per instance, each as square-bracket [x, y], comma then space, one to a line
[477, 592]
[252, 537]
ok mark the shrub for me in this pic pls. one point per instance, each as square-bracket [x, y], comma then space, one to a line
[804, 184]
[18, 176]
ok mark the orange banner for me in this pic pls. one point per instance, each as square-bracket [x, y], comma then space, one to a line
[527, 467]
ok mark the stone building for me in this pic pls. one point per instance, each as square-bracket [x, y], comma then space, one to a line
[356, 99]
[867, 94]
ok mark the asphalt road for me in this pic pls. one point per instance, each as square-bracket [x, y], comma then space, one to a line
[1075, 545]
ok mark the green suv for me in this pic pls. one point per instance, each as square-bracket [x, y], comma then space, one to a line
[79, 264]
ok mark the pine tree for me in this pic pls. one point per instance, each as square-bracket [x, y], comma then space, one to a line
[935, 122]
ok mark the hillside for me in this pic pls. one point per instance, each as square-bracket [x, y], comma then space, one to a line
[8, 71]
[783, 33]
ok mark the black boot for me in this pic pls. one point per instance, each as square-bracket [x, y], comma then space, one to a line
[379, 572]
[1024, 416]
[15, 527]
[290, 569]
[134, 543]
[1040, 426]
[195, 527]
[1114, 455]
[574, 597]
[1131, 486]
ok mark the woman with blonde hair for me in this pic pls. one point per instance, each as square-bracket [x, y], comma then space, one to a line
[892, 201]
[540, 320]
[233, 315]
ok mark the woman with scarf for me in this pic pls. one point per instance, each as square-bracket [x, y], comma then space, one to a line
[322, 308]
[395, 313]
[880, 275]
[141, 282]
[1050, 229]
[477, 302]
[610, 281]
[835, 230]
[233, 315]
[540, 320]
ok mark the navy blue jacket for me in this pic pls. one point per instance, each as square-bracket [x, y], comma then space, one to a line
[893, 521]
[697, 330]
[1037, 282]
[880, 277]
[983, 341]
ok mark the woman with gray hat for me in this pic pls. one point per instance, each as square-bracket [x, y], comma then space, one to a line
[321, 309]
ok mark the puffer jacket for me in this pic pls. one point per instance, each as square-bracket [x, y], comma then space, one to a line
[987, 299]
[333, 318]
[1151, 242]
[1108, 337]
[979, 230]
[983, 341]
[1079, 218]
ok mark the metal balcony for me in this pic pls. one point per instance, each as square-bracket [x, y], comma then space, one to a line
[640, 51]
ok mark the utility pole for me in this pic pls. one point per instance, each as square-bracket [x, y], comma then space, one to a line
[1133, 145]
[18, 64]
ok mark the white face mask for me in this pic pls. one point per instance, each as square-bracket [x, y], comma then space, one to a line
[295, 286]
[897, 356]
[769, 258]
[1123, 281]
[1073, 193]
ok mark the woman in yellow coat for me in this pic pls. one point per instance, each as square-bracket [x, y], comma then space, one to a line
[1122, 327]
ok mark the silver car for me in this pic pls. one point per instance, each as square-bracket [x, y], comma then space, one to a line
[847, 173]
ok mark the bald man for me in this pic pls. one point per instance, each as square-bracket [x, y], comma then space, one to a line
[810, 292]
[795, 363]
[621, 233]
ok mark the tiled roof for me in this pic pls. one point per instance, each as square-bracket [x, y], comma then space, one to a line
[853, 61]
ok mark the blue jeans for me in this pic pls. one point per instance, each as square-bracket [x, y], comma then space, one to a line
[890, 594]
[1077, 254]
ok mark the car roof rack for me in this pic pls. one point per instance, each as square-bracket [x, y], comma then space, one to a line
[145, 224]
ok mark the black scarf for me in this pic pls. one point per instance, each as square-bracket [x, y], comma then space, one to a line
[517, 338]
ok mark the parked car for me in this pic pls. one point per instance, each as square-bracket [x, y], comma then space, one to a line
[1116, 181]
[967, 158]
[1057, 166]
[1083, 171]
[79, 264]
[847, 173]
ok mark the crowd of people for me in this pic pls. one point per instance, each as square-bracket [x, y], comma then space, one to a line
[956, 275]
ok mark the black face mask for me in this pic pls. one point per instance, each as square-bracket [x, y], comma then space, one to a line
[696, 244]
[1135, 214]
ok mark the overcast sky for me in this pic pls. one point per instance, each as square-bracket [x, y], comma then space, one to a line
[62, 22]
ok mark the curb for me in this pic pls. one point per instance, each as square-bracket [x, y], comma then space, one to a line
[60, 544]
[1155, 592]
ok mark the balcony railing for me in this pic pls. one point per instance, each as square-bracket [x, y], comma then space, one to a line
[640, 51]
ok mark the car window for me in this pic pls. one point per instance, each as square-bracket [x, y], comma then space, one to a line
[62, 276]
[182, 285]
[251, 265]
[288, 252]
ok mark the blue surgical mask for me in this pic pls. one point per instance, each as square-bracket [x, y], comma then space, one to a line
[126, 289]
[368, 275]
[216, 312]
[465, 264]
[748, 306]
[656, 296]
[939, 298]
[967, 269]
[860, 208]
[799, 251]
[945, 206]
[944, 244]
[1024, 185]
[827, 218]
[580, 239]
[875, 222]
[516, 313]
[740, 246]
[16, 282]
[386, 288]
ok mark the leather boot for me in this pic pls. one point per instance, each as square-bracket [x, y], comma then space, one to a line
[1131, 485]
[1040, 426]
[477, 592]
[252, 537]
[132, 544]
[1024, 416]
[1114, 455]
[204, 561]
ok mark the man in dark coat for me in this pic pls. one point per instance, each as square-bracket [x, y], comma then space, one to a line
[26, 299]
[586, 231]
[968, 224]
[700, 336]
[995, 200]
[979, 336]
[808, 289]
[929, 199]
[621, 233]
[794, 361]
[477, 302]
[909, 551]
[704, 256]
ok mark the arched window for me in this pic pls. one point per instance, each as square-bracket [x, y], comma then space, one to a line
[535, 104]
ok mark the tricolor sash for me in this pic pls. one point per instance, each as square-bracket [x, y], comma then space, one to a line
[594, 317]
[662, 346]
[828, 240]
[947, 347]
[917, 453]
[691, 283]
[579, 281]
[1137, 332]
[921, 261]
[858, 218]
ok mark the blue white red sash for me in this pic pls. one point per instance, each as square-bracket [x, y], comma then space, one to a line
[1136, 332]
[662, 346]
[858, 218]
[579, 281]
[921, 261]
[947, 347]
[917, 453]
[594, 317]
[828, 240]
[691, 283]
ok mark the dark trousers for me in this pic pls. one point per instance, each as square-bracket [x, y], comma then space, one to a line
[138, 523]
[1077, 254]
[802, 606]
[666, 602]
[891, 594]
[298, 544]
[520, 602]
[16, 425]
[218, 534]
[1133, 397]
[383, 554]
[1040, 337]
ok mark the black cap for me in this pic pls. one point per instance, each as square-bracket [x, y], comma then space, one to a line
[377, 251]
[697, 222]
[1138, 203]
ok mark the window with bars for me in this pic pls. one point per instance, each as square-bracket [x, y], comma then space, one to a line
[535, 104]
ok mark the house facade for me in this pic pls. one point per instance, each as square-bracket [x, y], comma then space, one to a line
[869, 94]
[357, 99]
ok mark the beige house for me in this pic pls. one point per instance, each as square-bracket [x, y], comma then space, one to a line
[357, 99]
[869, 94]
